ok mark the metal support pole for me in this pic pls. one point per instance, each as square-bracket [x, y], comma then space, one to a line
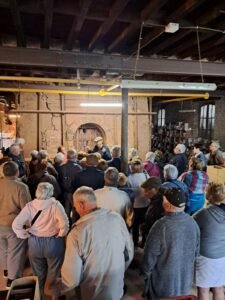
[124, 131]
[38, 121]
[61, 119]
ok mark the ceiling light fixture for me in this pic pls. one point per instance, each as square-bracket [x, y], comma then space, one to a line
[99, 104]
[168, 85]
[187, 110]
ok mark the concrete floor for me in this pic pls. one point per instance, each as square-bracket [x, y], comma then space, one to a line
[133, 280]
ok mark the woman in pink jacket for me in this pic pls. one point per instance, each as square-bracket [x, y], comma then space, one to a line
[44, 222]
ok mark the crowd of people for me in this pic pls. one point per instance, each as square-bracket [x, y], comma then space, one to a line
[104, 215]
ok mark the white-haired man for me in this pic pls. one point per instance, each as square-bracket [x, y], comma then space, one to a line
[110, 197]
[179, 160]
[170, 250]
[98, 250]
[215, 156]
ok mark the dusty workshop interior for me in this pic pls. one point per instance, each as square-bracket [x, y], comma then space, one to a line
[143, 74]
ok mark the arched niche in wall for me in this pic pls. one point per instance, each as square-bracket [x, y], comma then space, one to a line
[85, 135]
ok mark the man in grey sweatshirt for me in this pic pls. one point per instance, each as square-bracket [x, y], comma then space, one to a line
[170, 250]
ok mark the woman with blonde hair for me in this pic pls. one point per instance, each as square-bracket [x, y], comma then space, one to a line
[210, 265]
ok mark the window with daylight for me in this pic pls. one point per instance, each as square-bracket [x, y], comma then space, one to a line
[207, 120]
[161, 117]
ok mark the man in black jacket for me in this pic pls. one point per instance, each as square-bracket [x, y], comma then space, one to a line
[155, 210]
[67, 175]
[91, 176]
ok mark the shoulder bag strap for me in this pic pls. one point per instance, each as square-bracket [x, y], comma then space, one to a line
[35, 217]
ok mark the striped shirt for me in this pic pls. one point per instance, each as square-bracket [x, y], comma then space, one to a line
[195, 180]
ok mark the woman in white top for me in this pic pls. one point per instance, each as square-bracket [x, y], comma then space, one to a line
[140, 202]
[44, 222]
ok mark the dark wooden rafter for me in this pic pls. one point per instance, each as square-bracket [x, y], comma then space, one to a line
[21, 40]
[210, 14]
[216, 46]
[153, 6]
[190, 46]
[150, 37]
[33, 58]
[116, 10]
[78, 23]
[49, 4]
[185, 7]
[205, 42]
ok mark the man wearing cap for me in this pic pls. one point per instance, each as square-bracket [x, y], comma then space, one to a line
[170, 251]
[101, 148]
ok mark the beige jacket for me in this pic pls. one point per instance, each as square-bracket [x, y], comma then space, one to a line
[113, 199]
[98, 251]
[14, 195]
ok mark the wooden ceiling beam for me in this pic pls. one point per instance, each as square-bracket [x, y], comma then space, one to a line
[49, 4]
[205, 43]
[184, 8]
[21, 40]
[190, 46]
[151, 8]
[210, 14]
[116, 10]
[78, 23]
[54, 59]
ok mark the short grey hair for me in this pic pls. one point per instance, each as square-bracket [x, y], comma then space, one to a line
[111, 176]
[150, 156]
[216, 144]
[72, 154]
[86, 193]
[34, 153]
[44, 190]
[59, 157]
[43, 154]
[181, 147]
[170, 172]
[116, 151]
[14, 147]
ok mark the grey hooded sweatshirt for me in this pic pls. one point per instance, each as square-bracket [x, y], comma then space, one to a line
[211, 221]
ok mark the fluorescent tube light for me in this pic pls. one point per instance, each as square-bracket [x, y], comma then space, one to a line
[96, 104]
[167, 85]
[14, 116]
[187, 110]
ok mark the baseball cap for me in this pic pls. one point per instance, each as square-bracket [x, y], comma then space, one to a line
[97, 139]
[175, 196]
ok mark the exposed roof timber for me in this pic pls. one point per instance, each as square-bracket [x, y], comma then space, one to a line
[151, 36]
[21, 40]
[78, 23]
[49, 4]
[149, 9]
[210, 46]
[210, 14]
[123, 64]
[116, 10]
[169, 40]
[190, 42]
[192, 50]
[186, 7]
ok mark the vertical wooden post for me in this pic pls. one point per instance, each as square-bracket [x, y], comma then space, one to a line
[124, 131]
[38, 121]
[150, 121]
